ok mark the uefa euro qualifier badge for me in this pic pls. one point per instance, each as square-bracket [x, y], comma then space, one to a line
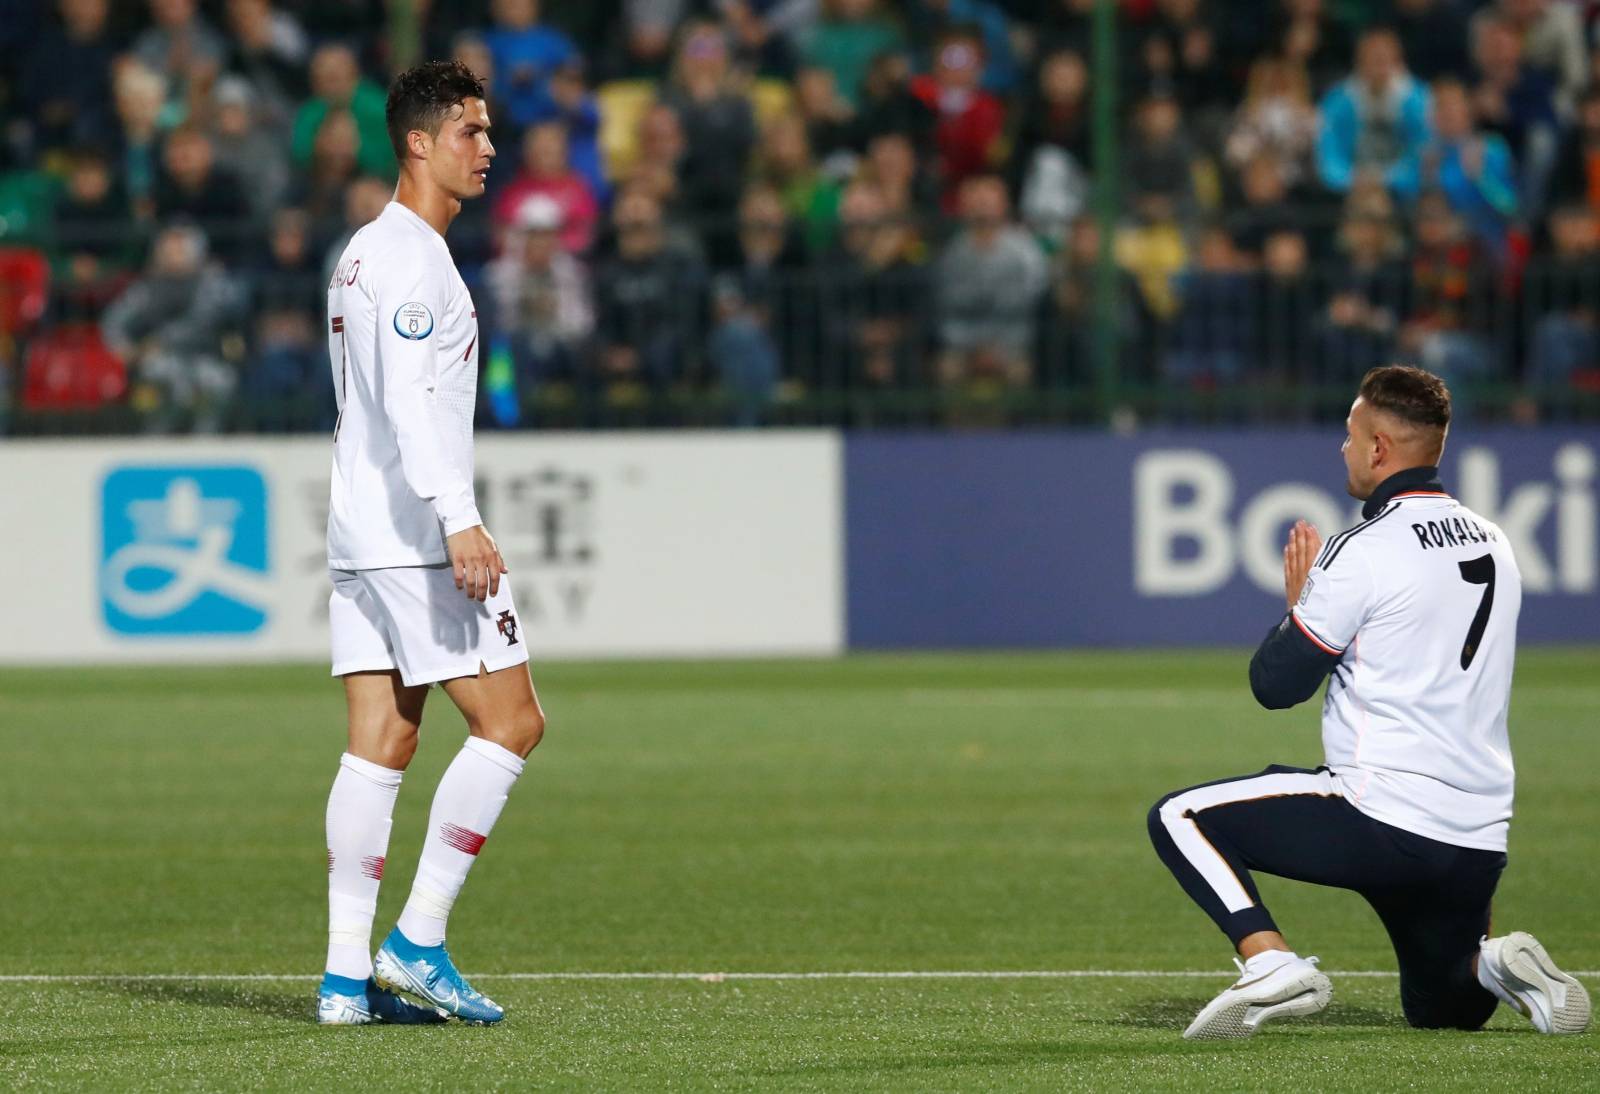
[413, 321]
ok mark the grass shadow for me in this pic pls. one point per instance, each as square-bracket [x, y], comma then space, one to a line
[1176, 1014]
[275, 1003]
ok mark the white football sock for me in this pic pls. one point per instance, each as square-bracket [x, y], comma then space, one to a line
[360, 812]
[465, 807]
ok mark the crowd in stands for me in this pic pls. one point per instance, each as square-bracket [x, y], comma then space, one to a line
[765, 201]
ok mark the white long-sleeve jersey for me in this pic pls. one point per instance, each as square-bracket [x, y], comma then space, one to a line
[403, 339]
[1420, 604]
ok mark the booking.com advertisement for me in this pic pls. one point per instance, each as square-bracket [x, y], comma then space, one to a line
[810, 542]
[1166, 538]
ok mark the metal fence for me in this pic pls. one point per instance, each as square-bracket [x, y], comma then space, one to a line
[96, 340]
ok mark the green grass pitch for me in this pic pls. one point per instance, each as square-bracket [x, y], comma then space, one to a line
[917, 813]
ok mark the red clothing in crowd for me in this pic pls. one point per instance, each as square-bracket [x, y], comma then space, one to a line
[968, 131]
[579, 210]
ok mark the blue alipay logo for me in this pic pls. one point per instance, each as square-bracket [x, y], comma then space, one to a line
[184, 550]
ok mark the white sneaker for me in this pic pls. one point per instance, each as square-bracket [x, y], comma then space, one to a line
[1292, 989]
[1553, 1001]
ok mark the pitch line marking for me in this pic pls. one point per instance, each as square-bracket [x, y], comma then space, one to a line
[703, 977]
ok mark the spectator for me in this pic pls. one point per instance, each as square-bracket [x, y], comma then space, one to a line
[766, 33]
[830, 122]
[194, 187]
[1069, 24]
[1562, 294]
[1450, 305]
[526, 55]
[320, 188]
[891, 165]
[1266, 209]
[1433, 37]
[717, 119]
[1276, 119]
[181, 45]
[246, 148]
[1473, 171]
[888, 105]
[1552, 39]
[1054, 194]
[1377, 120]
[662, 150]
[1179, 56]
[269, 50]
[1516, 102]
[1576, 177]
[65, 79]
[1160, 158]
[1307, 36]
[873, 297]
[931, 18]
[577, 109]
[1153, 249]
[1055, 118]
[646, 31]
[140, 96]
[337, 85]
[987, 282]
[1072, 312]
[1367, 298]
[765, 275]
[91, 221]
[288, 383]
[175, 327]
[845, 41]
[741, 352]
[971, 121]
[1287, 305]
[546, 173]
[647, 301]
[785, 163]
[541, 298]
[1213, 335]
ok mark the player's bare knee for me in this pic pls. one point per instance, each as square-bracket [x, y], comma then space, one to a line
[390, 743]
[529, 731]
[519, 733]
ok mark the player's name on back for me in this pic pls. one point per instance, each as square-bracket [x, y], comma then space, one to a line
[1451, 532]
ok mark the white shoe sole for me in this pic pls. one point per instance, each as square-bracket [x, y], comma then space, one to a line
[1243, 1018]
[1552, 1000]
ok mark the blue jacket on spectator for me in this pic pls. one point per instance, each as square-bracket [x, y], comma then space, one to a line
[1485, 203]
[1351, 138]
[523, 62]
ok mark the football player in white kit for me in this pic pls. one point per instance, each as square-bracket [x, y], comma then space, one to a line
[1413, 612]
[418, 598]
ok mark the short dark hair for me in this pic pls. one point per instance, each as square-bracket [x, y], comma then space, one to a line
[1413, 395]
[422, 98]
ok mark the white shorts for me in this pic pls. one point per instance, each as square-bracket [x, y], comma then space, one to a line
[413, 618]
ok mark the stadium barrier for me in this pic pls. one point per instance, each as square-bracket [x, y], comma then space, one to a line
[619, 545]
[775, 543]
[1167, 537]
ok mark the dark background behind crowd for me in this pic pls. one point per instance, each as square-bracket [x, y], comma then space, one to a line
[859, 212]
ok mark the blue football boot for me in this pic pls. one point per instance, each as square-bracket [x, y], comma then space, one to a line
[345, 1001]
[428, 973]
